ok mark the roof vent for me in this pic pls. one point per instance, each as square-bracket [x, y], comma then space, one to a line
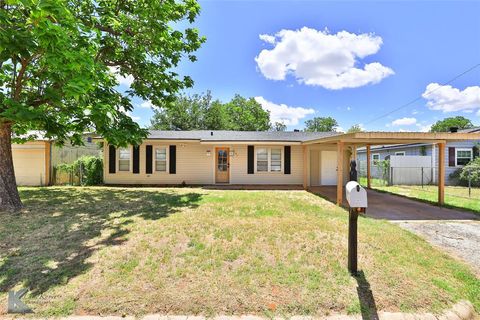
[211, 133]
[296, 130]
[453, 129]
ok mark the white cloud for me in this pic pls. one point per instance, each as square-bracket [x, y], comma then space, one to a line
[267, 38]
[319, 58]
[146, 104]
[450, 99]
[404, 122]
[126, 81]
[424, 127]
[289, 116]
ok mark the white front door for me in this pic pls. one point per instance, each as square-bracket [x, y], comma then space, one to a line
[328, 168]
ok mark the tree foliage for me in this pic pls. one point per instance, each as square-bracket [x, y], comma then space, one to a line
[321, 124]
[200, 112]
[447, 123]
[355, 128]
[58, 62]
[279, 126]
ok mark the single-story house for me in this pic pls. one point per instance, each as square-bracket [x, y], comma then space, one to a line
[253, 158]
[458, 154]
[34, 161]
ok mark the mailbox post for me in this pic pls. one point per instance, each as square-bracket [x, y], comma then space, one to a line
[357, 202]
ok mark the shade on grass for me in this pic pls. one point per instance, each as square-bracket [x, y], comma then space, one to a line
[195, 251]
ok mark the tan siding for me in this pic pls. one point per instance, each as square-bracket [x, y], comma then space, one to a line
[29, 163]
[193, 166]
[239, 174]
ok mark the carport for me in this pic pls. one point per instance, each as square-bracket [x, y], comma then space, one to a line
[347, 144]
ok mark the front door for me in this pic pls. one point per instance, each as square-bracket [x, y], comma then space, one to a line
[328, 170]
[222, 165]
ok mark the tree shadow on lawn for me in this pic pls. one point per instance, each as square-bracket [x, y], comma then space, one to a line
[49, 242]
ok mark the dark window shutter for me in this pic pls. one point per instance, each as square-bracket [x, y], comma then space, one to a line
[250, 159]
[451, 157]
[172, 160]
[288, 161]
[148, 159]
[136, 159]
[112, 155]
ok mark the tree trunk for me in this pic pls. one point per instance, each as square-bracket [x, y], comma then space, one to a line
[9, 197]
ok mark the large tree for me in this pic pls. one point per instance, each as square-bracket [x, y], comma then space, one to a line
[447, 123]
[199, 112]
[321, 124]
[58, 61]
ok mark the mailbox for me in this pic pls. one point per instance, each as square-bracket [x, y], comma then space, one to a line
[356, 196]
[358, 203]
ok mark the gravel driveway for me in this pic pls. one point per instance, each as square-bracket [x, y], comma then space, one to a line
[459, 238]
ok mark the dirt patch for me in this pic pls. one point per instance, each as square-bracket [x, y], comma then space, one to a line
[460, 238]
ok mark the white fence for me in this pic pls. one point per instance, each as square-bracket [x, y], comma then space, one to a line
[402, 170]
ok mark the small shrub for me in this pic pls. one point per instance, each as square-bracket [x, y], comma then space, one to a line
[470, 171]
[88, 170]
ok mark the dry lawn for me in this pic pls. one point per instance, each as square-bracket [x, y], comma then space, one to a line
[195, 251]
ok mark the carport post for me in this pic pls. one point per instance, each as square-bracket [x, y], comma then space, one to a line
[305, 167]
[369, 161]
[441, 173]
[340, 173]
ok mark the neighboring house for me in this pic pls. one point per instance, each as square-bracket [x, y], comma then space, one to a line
[458, 154]
[34, 161]
[250, 158]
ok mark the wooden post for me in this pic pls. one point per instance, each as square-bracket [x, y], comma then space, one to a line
[369, 164]
[305, 171]
[441, 173]
[48, 161]
[340, 153]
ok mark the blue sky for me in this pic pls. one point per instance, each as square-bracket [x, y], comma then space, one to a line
[375, 57]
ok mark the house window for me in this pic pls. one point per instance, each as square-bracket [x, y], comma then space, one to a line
[269, 159]
[400, 153]
[124, 159]
[375, 158]
[276, 160]
[463, 156]
[262, 159]
[161, 159]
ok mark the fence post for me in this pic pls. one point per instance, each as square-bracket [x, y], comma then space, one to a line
[391, 176]
[422, 177]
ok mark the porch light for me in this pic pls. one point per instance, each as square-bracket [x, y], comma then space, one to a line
[209, 153]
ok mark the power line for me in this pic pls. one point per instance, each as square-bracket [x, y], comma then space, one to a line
[420, 97]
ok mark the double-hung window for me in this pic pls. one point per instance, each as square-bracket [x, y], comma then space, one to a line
[375, 158]
[269, 159]
[161, 159]
[400, 153]
[463, 156]
[124, 159]
[275, 160]
[262, 160]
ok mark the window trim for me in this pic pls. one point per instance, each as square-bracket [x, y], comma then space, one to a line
[400, 153]
[373, 160]
[462, 149]
[130, 160]
[167, 159]
[269, 159]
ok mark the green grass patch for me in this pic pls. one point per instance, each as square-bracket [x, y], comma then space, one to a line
[105, 250]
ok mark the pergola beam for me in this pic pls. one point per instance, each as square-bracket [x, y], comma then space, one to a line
[369, 164]
[340, 153]
[441, 173]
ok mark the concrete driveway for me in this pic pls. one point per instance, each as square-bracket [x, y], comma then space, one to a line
[391, 207]
[455, 231]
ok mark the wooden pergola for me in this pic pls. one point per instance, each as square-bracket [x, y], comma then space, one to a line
[368, 139]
